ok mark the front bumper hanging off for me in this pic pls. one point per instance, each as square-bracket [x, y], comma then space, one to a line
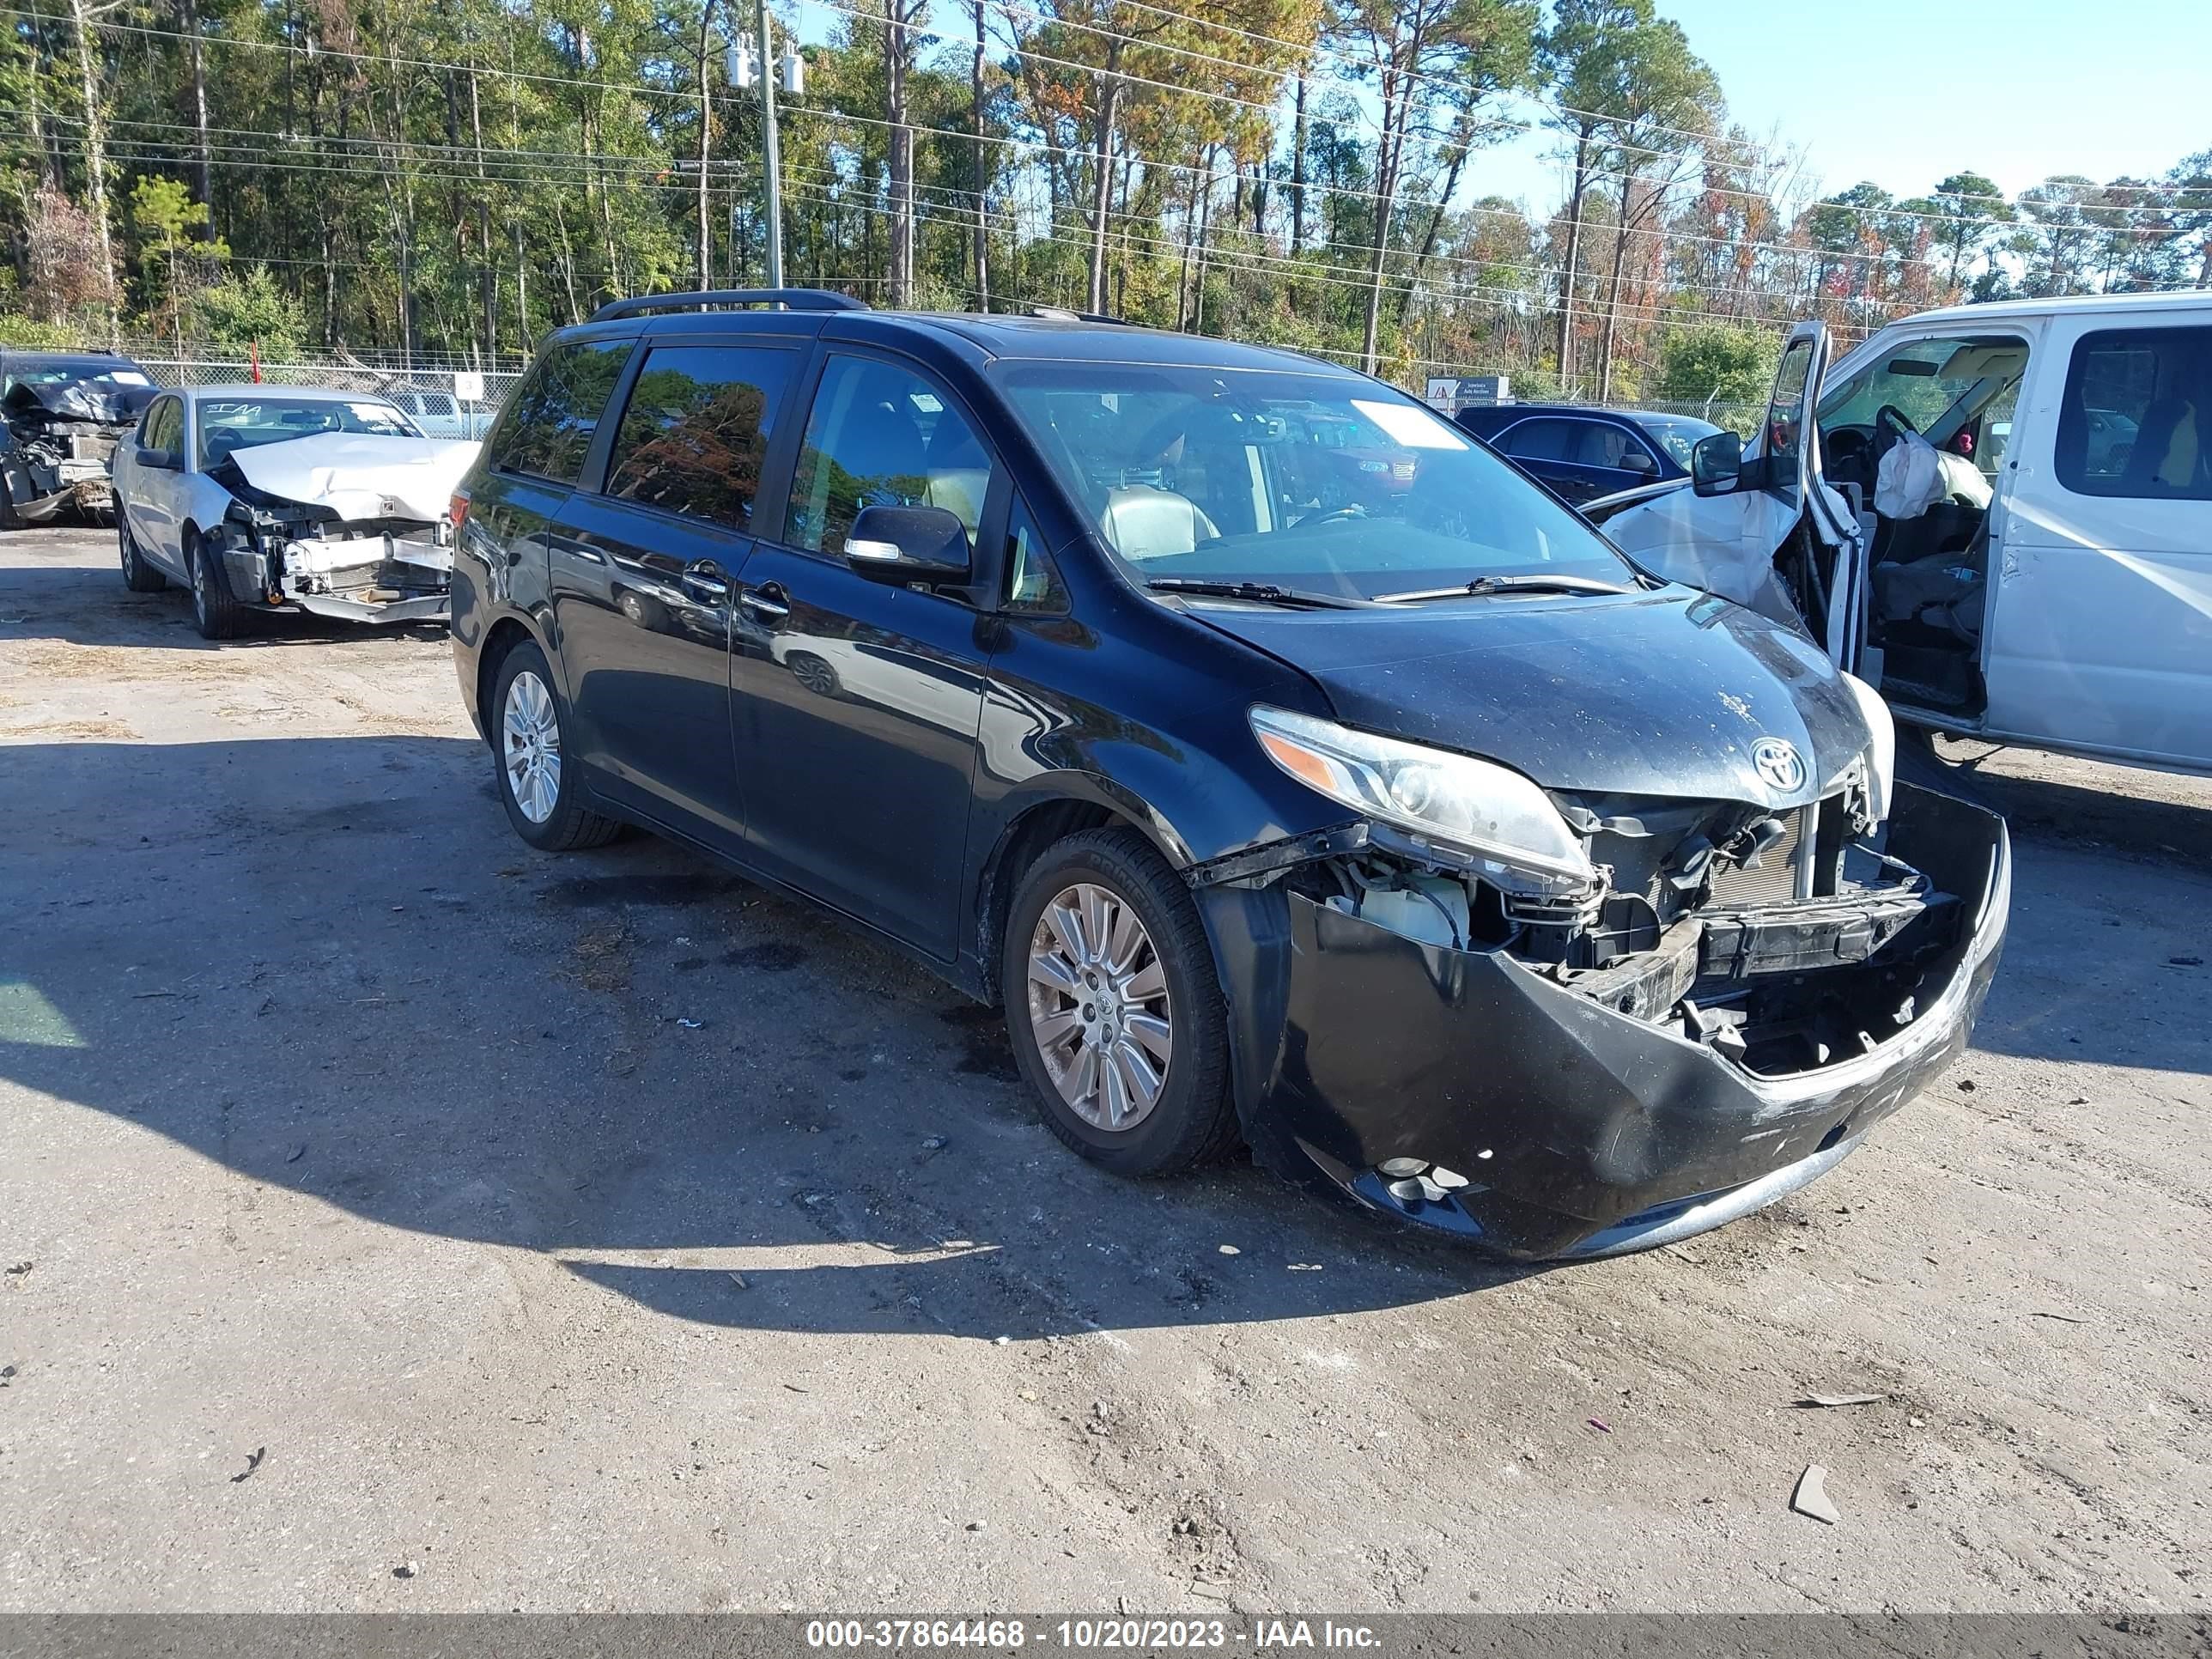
[1577, 1129]
[393, 575]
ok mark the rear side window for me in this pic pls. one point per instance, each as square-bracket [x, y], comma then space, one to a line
[695, 430]
[547, 428]
[2137, 419]
[1542, 441]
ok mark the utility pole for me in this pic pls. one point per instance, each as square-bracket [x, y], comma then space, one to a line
[744, 61]
[771, 165]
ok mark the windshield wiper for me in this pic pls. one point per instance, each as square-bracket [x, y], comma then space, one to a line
[1258, 592]
[1524, 584]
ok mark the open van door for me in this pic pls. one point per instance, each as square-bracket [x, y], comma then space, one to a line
[1756, 524]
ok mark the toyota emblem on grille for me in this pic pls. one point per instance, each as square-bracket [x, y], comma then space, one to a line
[1778, 764]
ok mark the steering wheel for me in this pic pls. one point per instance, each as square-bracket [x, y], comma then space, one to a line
[1844, 446]
[1890, 424]
[1335, 514]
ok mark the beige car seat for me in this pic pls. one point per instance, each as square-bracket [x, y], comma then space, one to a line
[1141, 522]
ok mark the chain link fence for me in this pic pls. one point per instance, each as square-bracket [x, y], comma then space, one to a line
[446, 401]
[430, 388]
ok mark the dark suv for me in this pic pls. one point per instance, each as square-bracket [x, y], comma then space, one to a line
[61, 414]
[1395, 826]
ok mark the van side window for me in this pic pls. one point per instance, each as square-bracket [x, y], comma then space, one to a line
[1032, 584]
[879, 436]
[546, 429]
[2136, 418]
[695, 430]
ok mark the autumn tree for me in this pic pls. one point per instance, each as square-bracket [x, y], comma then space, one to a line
[1424, 58]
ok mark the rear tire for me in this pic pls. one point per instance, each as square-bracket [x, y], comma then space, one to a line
[529, 725]
[215, 609]
[138, 576]
[1123, 1037]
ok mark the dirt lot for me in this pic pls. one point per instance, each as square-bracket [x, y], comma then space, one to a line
[375, 1204]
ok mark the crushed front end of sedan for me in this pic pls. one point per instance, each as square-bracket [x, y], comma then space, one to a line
[353, 526]
[57, 440]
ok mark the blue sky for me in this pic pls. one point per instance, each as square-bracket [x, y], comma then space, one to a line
[1905, 91]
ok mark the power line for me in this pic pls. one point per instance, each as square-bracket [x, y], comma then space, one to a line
[689, 98]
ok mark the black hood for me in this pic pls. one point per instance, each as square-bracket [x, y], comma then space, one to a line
[79, 400]
[1654, 694]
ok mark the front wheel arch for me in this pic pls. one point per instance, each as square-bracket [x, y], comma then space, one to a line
[1056, 808]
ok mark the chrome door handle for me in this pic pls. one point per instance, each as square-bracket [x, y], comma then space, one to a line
[763, 602]
[706, 583]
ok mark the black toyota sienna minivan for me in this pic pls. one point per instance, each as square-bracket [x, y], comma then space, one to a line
[1291, 772]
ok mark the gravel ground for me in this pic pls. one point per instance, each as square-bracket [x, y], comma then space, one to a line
[378, 1235]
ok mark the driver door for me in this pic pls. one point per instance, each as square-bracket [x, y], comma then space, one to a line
[1726, 543]
[856, 706]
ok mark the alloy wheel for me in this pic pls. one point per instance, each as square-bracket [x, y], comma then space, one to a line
[1098, 1006]
[529, 746]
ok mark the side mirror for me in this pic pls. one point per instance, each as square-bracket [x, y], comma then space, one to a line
[1636, 461]
[162, 460]
[902, 545]
[1717, 464]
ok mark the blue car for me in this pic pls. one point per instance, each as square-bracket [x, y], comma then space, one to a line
[1580, 453]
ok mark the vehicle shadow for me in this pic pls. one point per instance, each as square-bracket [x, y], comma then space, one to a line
[2173, 834]
[327, 966]
[2105, 960]
[60, 603]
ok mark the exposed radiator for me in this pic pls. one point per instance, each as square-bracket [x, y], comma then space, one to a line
[1777, 879]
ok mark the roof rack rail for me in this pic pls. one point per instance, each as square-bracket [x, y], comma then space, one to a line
[791, 299]
[1062, 314]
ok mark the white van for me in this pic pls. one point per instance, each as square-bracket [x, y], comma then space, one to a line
[2056, 593]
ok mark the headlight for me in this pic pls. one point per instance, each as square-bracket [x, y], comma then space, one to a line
[1881, 748]
[1472, 804]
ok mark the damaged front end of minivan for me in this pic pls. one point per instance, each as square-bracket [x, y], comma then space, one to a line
[314, 524]
[1702, 1005]
[57, 442]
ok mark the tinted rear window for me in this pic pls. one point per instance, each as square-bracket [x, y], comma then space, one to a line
[1542, 441]
[547, 428]
[695, 431]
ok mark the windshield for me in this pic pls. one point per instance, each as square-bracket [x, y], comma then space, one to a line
[230, 424]
[1312, 481]
[75, 374]
[91, 374]
[1935, 385]
[1678, 434]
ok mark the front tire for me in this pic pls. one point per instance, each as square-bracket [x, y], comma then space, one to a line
[1115, 1014]
[215, 609]
[138, 576]
[530, 726]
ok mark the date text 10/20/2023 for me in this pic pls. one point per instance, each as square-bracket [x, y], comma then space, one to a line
[1102, 1635]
